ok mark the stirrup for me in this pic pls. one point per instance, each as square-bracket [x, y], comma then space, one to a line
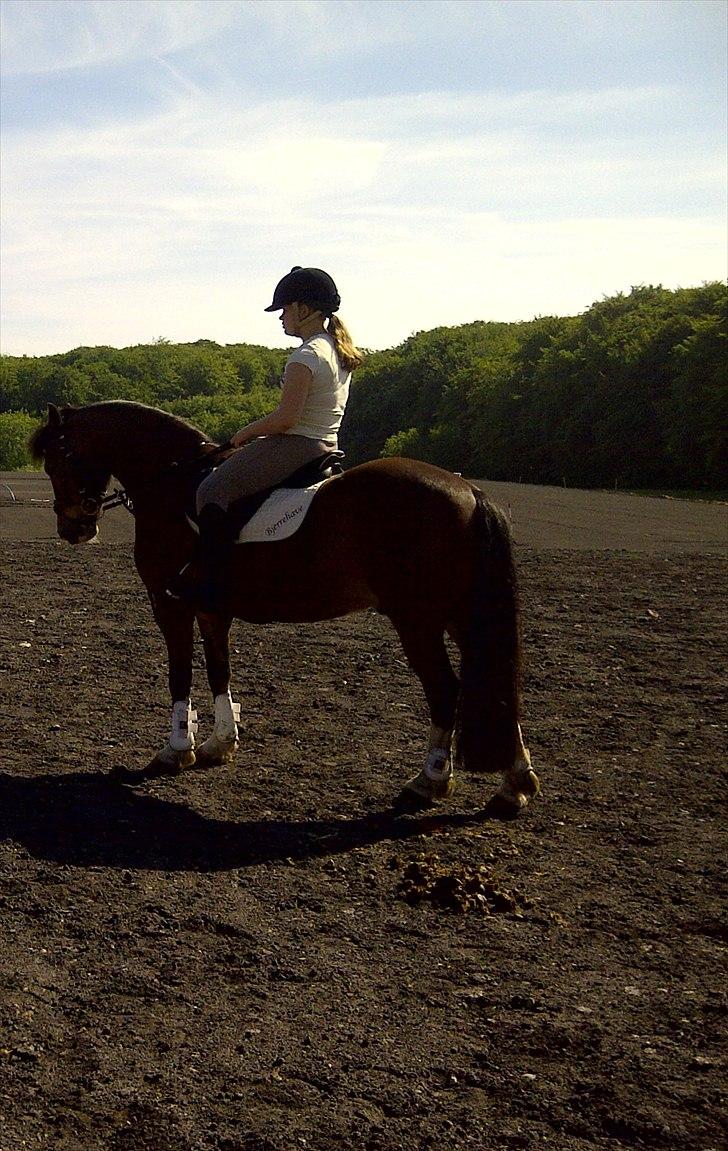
[204, 593]
[181, 585]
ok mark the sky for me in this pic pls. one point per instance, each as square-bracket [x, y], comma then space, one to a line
[164, 163]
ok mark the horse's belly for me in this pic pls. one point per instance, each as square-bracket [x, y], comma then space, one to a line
[269, 588]
[310, 610]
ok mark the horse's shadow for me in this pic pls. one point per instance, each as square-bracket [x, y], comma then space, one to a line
[88, 819]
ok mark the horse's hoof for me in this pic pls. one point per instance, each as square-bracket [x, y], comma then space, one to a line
[421, 791]
[501, 806]
[530, 784]
[213, 753]
[203, 762]
[163, 765]
[514, 795]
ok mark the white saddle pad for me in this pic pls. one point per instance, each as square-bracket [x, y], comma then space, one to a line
[280, 516]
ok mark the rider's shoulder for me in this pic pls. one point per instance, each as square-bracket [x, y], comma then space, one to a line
[315, 350]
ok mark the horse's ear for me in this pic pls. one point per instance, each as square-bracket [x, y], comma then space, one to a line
[54, 417]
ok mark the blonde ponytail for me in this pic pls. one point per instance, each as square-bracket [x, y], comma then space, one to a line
[349, 355]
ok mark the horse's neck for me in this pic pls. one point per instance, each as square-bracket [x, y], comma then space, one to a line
[138, 450]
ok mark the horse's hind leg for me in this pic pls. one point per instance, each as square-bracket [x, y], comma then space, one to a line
[424, 646]
[221, 746]
[520, 783]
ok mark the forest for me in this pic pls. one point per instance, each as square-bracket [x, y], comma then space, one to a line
[631, 393]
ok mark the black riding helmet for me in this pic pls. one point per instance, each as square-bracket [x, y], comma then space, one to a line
[310, 286]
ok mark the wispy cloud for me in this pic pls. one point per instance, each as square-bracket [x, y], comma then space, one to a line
[58, 35]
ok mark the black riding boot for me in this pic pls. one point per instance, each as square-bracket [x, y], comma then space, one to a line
[207, 590]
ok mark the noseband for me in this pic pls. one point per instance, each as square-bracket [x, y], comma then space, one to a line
[94, 505]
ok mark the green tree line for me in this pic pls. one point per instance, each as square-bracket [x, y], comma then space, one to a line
[633, 392]
[630, 393]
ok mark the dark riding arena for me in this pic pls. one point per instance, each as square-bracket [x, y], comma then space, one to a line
[265, 955]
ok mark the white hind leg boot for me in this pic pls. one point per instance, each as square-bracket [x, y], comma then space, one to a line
[435, 781]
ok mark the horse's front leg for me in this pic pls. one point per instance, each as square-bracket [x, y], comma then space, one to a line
[223, 743]
[176, 622]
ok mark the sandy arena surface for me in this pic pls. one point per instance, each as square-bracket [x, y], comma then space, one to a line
[264, 957]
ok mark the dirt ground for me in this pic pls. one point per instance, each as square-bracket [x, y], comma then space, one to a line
[264, 957]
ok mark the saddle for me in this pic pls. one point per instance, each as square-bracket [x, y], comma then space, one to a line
[242, 510]
[322, 468]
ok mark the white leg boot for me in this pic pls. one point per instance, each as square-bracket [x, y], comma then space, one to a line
[223, 743]
[179, 751]
[435, 781]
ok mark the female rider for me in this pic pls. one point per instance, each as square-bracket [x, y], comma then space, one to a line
[304, 426]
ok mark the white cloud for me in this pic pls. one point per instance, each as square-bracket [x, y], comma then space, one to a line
[432, 207]
[485, 267]
[43, 36]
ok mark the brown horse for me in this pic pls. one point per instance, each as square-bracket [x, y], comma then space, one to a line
[418, 544]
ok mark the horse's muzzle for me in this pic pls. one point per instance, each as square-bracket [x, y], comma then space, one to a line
[78, 531]
[78, 523]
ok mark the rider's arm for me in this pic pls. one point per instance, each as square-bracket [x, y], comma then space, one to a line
[296, 382]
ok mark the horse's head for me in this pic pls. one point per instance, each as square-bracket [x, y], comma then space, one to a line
[79, 481]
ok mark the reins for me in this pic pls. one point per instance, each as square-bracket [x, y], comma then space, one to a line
[118, 498]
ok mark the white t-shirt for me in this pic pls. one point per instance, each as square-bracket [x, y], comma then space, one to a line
[328, 393]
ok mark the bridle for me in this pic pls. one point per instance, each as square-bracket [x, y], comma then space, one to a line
[96, 505]
[92, 504]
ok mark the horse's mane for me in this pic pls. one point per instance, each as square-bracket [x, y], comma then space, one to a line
[39, 441]
[61, 418]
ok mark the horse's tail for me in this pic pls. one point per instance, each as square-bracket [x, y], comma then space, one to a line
[488, 708]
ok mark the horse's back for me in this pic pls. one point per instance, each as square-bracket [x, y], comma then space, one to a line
[386, 490]
[398, 494]
[407, 525]
[400, 470]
